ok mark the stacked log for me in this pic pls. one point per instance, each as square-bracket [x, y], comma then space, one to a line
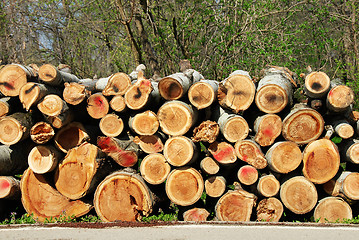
[211, 148]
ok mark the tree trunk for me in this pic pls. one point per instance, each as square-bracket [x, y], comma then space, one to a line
[151, 144]
[97, 106]
[70, 136]
[145, 123]
[41, 133]
[52, 76]
[299, 195]
[138, 94]
[247, 175]
[195, 215]
[175, 86]
[223, 152]
[332, 209]
[215, 186]
[203, 93]
[184, 186]
[268, 186]
[123, 196]
[236, 93]
[269, 210]
[267, 127]
[251, 153]
[180, 151]
[284, 157]
[118, 84]
[321, 161]
[15, 128]
[52, 105]
[111, 125]
[44, 202]
[235, 206]
[9, 188]
[154, 168]
[209, 166]
[43, 159]
[118, 103]
[13, 77]
[302, 125]
[317, 85]
[207, 131]
[176, 117]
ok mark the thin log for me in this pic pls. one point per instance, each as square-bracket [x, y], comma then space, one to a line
[175, 86]
[251, 153]
[339, 98]
[209, 166]
[267, 128]
[52, 76]
[52, 105]
[60, 120]
[207, 131]
[117, 84]
[15, 128]
[346, 185]
[111, 125]
[154, 168]
[268, 185]
[145, 123]
[97, 106]
[70, 136]
[215, 186]
[316, 85]
[4, 106]
[75, 93]
[269, 210]
[332, 209]
[203, 93]
[223, 152]
[180, 151]
[247, 175]
[196, 215]
[343, 129]
[350, 151]
[13, 77]
[139, 94]
[150, 144]
[118, 103]
[43, 159]
[9, 188]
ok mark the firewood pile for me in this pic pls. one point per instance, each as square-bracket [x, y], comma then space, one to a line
[126, 144]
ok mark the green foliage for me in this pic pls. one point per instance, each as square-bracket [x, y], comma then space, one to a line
[336, 139]
[161, 217]
[24, 219]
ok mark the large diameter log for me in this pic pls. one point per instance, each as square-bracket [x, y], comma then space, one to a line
[302, 125]
[176, 117]
[203, 93]
[41, 133]
[15, 128]
[52, 76]
[150, 144]
[118, 103]
[13, 77]
[269, 210]
[52, 105]
[209, 166]
[268, 186]
[215, 186]
[70, 136]
[97, 106]
[111, 125]
[154, 168]
[175, 86]
[13, 159]
[43, 159]
[139, 94]
[123, 152]
[236, 92]
[223, 152]
[340, 98]
[184, 186]
[321, 161]
[9, 188]
[332, 209]
[44, 202]
[247, 175]
[207, 131]
[235, 206]
[284, 157]
[123, 196]
[232, 126]
[196, 215]
[80, 171]
[180, 151]
[316, 85]
[299, 195]
[145, 123]
[117, 84]
[267, 128]
[251, 153]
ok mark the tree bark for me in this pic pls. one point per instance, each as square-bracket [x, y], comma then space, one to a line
[267, 128]
[180, 151]
[52, 76]
[9, 188]
[251, 153]
[154, 168]
[13, 158]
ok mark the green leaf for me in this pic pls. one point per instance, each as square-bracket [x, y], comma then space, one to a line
[336, 139]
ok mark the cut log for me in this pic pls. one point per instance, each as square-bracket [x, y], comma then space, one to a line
[209, 166]
[80, 171]
[52, 76]
[223, 152]
[97, 106]
[340, 98]
[111, 125]
[118, 103]
[60, 120]
[13, 77]
[269, 210]
[145, 123]
[9, 188]
[268, 186]
[15, 128]
[351, 151]
[13, 158]
[236, 92]
[123, 152]
[274, 91]
[251, 153]
[175, 86]
[117, 84]
[343, 129]
[123, 196]
[302, 125]
[176, 117]
[150, 144]
[138, 94]
[4, 106]
[43, 159]
[247, 175]
[321, 161]
[267, 127]
[70, 136]
[203, 93]
[196, 215]
[44, 202]
[154, 168]
[75, 93]
[207, 131]
[184, 186]
[180, 151]
[232, 126]
[317, 85]
[347, 186]
[41, 133]
[52, 105]
[235, 206]
[332, 209]
[299, 195]
[284, 157]
[215, 186]
[31, 93]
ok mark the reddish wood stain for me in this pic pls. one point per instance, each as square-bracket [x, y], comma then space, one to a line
[245, 171]
[127, 159]
[4, 184]
[245, 158]
[223, 154]
[146, 83]
[268, 132]
[331, 93]
[107, 145]
[99, 102]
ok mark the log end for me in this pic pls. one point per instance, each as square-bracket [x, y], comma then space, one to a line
[118, 103]
[179, 151]
[48, 73]
[154, 168]
[317, 84]
[235, 129]
[170, 88]
[247, 175]
[74, 93]
[207, 131]
[118, 84]
[196, 215]
[145, 123]
[268, 186]
[332, 209]
[43, 159]
[269, 210]
[215, 186]
[223, 152]
[11, 130]
[97, 106]
[271, 98]
[350, 186]
[29, 95]
[111, 125]
[12, 78]
[201, 95]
